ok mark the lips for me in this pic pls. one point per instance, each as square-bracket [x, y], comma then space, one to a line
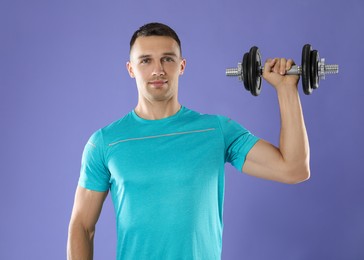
[158, 83]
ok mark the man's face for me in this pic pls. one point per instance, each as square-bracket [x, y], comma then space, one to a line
[156, 64]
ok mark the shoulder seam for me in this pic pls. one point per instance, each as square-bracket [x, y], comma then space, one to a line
[222, 133]
[103, 148]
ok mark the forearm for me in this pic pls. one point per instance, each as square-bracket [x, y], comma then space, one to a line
[80, 243]
[293, 145]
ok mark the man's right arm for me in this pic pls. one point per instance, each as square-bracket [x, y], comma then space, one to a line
[86, 211]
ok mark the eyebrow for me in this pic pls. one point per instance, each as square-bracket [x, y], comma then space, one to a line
[143, 56]
[170, 54]
[164, 54]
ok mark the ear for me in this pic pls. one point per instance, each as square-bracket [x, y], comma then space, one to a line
[183, 66]
[129, 67]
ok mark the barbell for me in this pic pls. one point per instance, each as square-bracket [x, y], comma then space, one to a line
[312, 70]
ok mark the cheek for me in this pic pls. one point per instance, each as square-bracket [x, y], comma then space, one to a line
[173, 69]
[141, 73]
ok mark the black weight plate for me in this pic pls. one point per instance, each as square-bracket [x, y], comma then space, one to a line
[314, 77]
[245, 70]
[306, 62]
[254, 78]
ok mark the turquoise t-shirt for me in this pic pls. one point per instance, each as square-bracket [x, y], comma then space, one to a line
[166, 179]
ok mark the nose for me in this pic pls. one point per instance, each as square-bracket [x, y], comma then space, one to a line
[158, 69]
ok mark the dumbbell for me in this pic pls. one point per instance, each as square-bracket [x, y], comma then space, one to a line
[250, 70]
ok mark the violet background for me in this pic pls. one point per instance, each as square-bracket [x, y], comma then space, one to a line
[63, 76]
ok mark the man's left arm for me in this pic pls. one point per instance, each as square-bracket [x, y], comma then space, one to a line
[288, 163]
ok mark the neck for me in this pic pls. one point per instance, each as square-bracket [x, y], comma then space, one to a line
[157, 110]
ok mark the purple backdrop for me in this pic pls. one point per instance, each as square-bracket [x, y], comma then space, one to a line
[63, 76]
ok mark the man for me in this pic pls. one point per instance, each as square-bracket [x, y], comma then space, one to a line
[164, 163]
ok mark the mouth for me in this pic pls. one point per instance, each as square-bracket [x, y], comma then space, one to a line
[158, 83]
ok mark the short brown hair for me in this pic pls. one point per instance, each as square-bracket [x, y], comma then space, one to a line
[155, 29]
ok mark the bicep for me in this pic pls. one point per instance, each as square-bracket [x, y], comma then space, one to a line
[87, 207]
[265, 161]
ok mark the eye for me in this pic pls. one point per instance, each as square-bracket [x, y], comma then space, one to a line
[145, 61]
[168, 59]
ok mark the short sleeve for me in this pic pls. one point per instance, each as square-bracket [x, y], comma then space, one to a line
[94, 174]
[238, 142]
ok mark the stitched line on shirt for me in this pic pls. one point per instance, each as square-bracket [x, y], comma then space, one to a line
[164, 135]
[91, 144]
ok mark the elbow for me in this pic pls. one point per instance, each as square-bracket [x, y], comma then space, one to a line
[298, 177]
[78, 228]
[80, 241]
[298, 174]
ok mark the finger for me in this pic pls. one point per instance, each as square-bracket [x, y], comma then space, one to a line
[282, 66]
[269, 64]
[277, 67]
[289, 64]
